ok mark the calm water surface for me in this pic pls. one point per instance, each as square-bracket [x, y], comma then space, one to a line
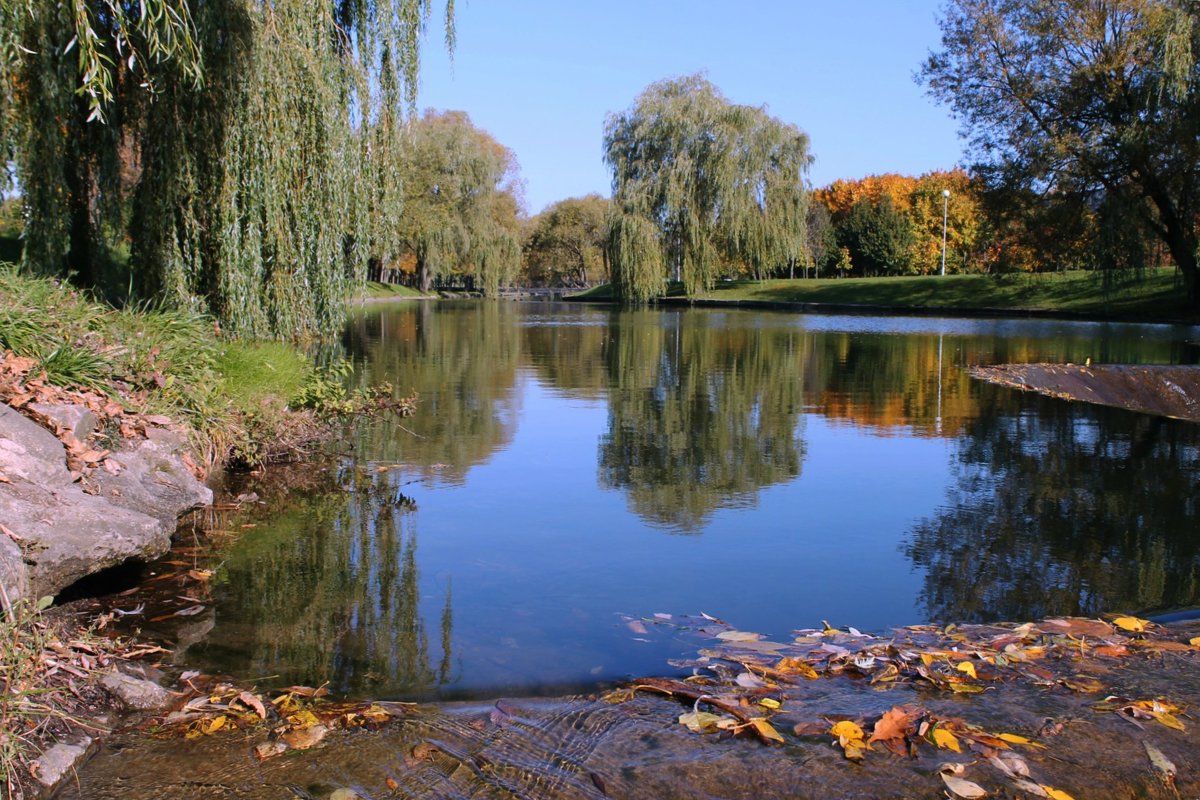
[573, 468]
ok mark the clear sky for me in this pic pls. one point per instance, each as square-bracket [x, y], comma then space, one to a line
[540, 76]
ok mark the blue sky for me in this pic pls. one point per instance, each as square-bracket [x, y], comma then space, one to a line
[540, 76]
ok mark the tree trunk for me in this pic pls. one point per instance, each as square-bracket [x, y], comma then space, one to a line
[81, 255]
[424, 279]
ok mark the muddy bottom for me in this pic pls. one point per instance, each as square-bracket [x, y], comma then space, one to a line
[632, 745]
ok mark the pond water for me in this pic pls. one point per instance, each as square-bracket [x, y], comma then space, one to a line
[573, 471]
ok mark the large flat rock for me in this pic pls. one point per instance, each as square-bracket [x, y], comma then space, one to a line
[55, 532]
[1168, 391]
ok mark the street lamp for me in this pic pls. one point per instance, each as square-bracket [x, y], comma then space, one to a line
[945, 207]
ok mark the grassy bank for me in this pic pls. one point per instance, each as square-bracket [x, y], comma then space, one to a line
[387, 291]
[240, 401]
[1156, 295]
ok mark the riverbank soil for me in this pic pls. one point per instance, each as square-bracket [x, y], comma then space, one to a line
[1063, 708]
[1168, 391]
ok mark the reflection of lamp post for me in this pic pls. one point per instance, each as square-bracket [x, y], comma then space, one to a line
[945, 207]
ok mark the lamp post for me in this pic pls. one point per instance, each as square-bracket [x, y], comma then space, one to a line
[945, 208]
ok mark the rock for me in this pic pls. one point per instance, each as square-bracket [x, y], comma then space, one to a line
[135, 693]
[153, 480]
[57, 763]
[64, 533]
[76, 420]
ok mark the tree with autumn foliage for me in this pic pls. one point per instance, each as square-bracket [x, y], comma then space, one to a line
[1082, 99]
[892, 224]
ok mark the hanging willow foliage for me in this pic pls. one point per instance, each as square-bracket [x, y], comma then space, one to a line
[258, 196]
[713, 181]
[460, 202]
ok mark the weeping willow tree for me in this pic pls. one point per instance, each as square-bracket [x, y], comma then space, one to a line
[460, 202]
[258, 194]
[698, 181]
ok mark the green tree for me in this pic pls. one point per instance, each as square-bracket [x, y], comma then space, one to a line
[565, 243]
[460, 208]
[879, 236]
[253, 195]
[1078, 97]
[697, 179]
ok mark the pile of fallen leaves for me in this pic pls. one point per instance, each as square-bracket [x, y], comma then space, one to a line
[295, 718]
[742, 681]
[22, 385]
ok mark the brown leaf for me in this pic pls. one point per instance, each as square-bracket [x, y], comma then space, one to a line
[894, 724]
[254, 703]
[304, 738]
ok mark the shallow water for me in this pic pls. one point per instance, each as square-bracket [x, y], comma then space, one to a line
[572, 470]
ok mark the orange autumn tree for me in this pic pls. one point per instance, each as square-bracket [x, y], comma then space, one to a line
[919, 201]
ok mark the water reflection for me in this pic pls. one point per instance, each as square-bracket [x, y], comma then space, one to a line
[328, 589]
[462, 360]
[1063, 510]
[555, 444]
[701, 414]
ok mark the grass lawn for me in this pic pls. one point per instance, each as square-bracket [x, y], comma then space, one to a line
[1158, 294]
[388, 291]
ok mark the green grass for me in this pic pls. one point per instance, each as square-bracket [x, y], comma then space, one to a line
[388, 291]
[1158, 294]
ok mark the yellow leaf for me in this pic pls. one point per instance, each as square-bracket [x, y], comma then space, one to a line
[766, 731]
[926, 659]
[966, 688]
[1013, 738]
[946, 740]
[847, 730]
[968, 668]
[1194, 641]
[1170, 720]
[768, 702]
[216, 724]
[855, 750]
[1055, 794]
[1130, 624]
[303, 719]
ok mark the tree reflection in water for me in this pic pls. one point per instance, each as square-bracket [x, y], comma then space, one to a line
[330, 589]
[1063, 509]
[702, 415]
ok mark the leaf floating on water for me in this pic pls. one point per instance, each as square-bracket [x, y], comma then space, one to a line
[963, 788]
[304, 738]
[1013, 738]
[266, 750]
[1194, 641]
[850, 739]
[739, 636]
[1132, 624]
[967, 668]
[946, 740]
[768, 702]
[637, 627]
[1029, 787]
[1055, 794]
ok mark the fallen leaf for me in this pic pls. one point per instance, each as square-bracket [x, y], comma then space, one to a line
[1055, 794]
[796, 666]
[1194, 641]
[267, 750]
[739, 636]
[699, 721]
[967, 667]
[254, 703]
[894, 724]
[304, 738]
[963, 788]
[1029, 787]
[766, 730]
[946, 740]
[216, 724]
[847, 729]
[768, 702]
[1166, 768]
[1132, 624]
